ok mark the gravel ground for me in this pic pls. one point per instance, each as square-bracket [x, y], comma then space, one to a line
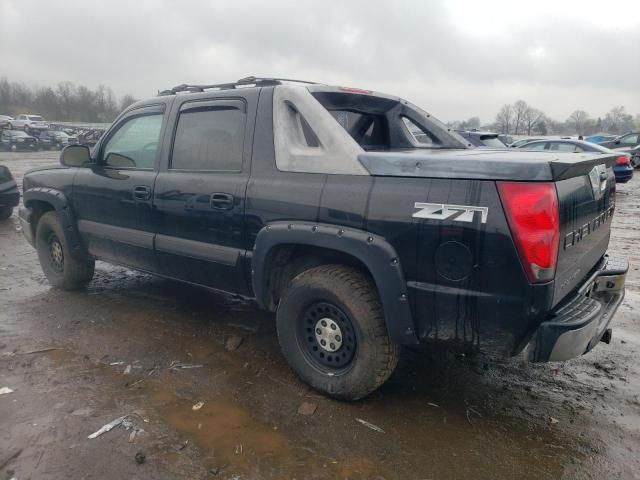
[77, 361]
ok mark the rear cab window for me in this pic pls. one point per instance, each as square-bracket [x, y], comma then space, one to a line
[379, 122]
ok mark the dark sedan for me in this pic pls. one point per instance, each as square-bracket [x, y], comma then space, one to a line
[9, 194]
[622, 168]
[628, 140]
[17, 140]
[56, 139]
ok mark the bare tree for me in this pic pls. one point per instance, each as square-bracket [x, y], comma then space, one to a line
[504, 119]
[617, 120]
[126, 101]
[530, 119]
[578, 121]
[519, 112]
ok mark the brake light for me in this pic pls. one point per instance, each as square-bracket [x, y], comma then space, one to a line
[532, 213]
[354, 90]
[622, 160]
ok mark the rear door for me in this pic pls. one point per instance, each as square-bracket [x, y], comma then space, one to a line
[112, 198]
[199, 196]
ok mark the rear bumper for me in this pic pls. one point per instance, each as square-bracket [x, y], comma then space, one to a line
[578, 325]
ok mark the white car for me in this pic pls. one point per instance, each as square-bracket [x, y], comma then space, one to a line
[5, 120]
[28, 123]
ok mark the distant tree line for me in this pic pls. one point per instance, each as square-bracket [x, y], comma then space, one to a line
[65, 102]
[520, 118]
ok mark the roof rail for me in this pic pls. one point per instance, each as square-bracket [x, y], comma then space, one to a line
[243, 82]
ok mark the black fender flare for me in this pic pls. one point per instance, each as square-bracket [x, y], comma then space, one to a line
[61, 205]
[372, 250]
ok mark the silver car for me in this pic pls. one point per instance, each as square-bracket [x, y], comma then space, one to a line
[28, 123]
[5, 120]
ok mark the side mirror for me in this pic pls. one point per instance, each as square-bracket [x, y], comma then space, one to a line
[75, 156]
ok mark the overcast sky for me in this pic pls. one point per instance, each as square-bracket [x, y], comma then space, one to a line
[454, 58]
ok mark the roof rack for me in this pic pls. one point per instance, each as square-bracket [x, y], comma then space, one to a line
[243, 82]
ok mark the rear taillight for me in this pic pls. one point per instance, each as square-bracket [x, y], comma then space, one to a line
[623, 160]
[532, 213]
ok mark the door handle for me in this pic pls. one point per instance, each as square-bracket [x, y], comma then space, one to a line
[221, 201]
[141, 192]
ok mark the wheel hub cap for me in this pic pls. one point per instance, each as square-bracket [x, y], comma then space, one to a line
[328, 335]
[57, 256]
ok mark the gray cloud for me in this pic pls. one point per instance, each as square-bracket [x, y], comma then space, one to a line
[454, 63]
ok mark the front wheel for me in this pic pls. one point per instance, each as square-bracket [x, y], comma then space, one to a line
[331, 329]
[61, 269]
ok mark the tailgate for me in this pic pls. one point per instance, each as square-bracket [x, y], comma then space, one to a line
[586, 198]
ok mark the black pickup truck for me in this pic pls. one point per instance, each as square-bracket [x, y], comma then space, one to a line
[361, 220]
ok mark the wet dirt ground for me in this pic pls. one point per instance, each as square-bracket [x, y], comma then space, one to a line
[152, 349]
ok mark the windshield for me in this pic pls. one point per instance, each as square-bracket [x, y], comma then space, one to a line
[35, 118]
[18, 133]
[491, 141]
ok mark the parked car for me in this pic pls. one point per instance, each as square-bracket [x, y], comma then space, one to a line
[9, 194]
[599, 138]
[622, 167]
[359, 234]
[635, 156]
[5, 120]
[522, 141]
[90, 137]
[17, 140]
[28, 123]
[628, 140]
[482, 139]
[55, 139]
[506, 139]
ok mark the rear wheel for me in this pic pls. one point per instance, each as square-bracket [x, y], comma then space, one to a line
[5, 212]
[331, 330]
[61, 269]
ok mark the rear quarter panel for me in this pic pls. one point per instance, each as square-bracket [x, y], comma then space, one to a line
[465, 280]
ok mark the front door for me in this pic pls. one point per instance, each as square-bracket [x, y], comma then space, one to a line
[113, 197]
[199, 195]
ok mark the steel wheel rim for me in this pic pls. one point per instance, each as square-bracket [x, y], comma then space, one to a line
[56, 253]
[327, 337]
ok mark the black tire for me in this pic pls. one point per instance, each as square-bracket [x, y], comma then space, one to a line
[61, 269]
[347, 299]
[5, 212]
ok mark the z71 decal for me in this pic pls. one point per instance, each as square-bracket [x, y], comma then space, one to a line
[457, 213]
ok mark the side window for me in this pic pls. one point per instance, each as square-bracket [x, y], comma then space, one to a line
[210, 138]
[416, 132]
[630, 139]
[536, 146]
[135, 143]
[578, 149]
[562, 147]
